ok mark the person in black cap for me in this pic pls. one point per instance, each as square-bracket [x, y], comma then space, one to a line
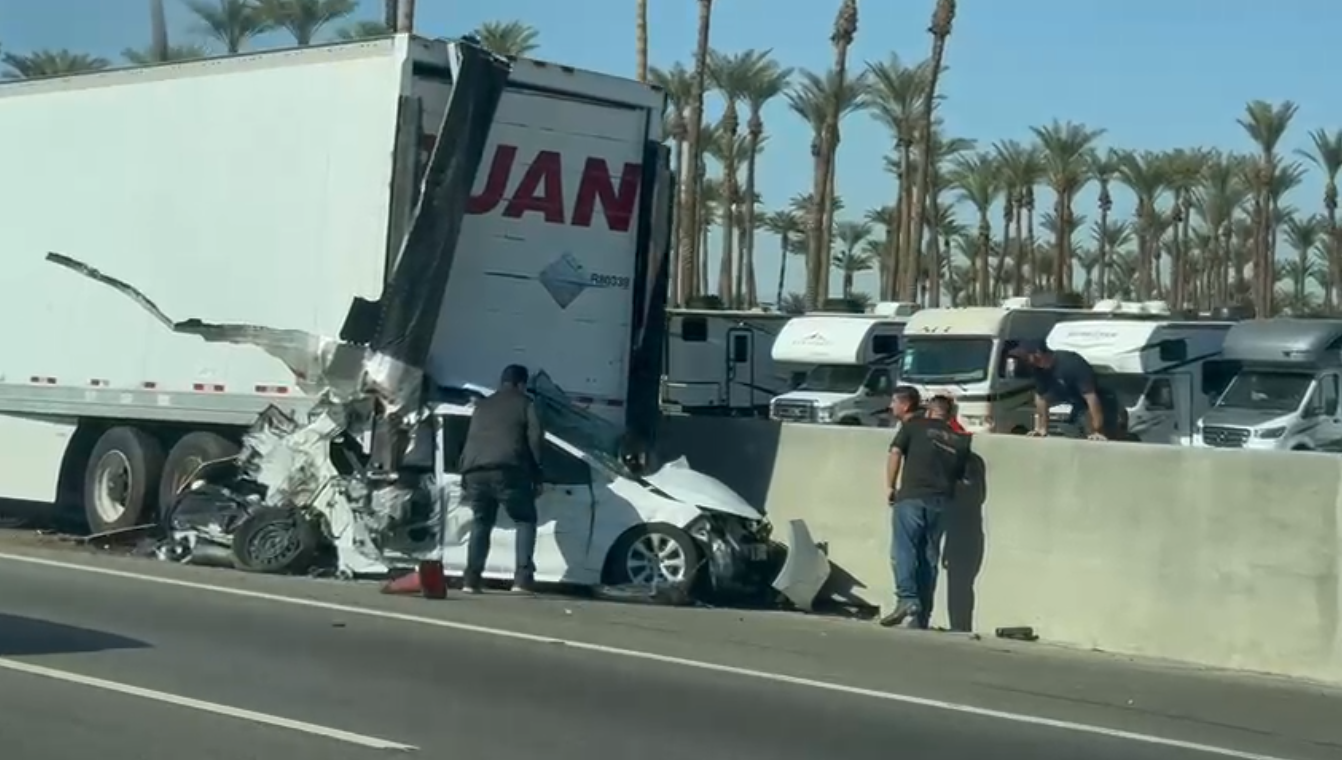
[1065, 377]
[501, 467]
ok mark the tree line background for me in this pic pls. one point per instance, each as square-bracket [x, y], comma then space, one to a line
[970, 221]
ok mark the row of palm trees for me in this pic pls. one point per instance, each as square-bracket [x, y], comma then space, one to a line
[232, 25]
[966, 220]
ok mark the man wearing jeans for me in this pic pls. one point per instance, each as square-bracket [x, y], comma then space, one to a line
[501, 467]
[931, 457]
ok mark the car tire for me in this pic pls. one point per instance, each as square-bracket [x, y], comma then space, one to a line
[185, 457]
[671, 543]
[121, 480]
[274, 540]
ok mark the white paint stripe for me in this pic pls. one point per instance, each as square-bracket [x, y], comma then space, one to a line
[203, 706]
[906, 699]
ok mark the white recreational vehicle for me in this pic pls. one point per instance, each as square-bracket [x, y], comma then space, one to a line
[1165, 373]
[962, 352]
[1285, 394]
[721, 362]
[852, 360]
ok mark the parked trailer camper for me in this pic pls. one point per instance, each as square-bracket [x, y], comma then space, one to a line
[1165, 373]
[1285, 395]
[721, 362]
[273, 188]
[851, 363]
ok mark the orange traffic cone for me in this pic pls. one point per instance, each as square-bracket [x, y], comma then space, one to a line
[427, 580]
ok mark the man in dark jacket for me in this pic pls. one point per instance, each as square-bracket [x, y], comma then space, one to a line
[1065, 377]
[501, 467]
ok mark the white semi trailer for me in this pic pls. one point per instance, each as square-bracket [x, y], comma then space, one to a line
[272, 189]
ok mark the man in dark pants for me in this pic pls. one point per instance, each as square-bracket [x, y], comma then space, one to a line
[1065, 377]
[501, 467]
[932, 457]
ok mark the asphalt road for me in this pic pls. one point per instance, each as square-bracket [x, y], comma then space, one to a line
[128, 669]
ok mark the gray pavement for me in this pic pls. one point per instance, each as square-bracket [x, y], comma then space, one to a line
[453, 677]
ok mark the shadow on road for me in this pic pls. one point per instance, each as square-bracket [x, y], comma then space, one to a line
[21, 636]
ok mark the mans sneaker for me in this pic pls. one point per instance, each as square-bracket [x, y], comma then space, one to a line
[473, 589]
[903, 611]
[523, 588]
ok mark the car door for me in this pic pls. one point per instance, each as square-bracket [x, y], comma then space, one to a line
[564, 511]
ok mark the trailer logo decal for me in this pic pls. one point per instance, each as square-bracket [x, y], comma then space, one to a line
[566, 278]
[541, 190]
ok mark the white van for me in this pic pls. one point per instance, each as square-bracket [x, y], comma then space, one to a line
[1285, 394]
[852, 360]
[721, 362]
[1165, 373]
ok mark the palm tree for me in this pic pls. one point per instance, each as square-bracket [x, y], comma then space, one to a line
[1265, 124]
[641, 39]
[813, 98]
[942, 149]
[1022, 170]
[1066, 149]
[1184, 173]
[850, 261]
[896, 96]
[1303, 235]
[1103, 166]
[1144, 174]
[793, 303]
[731, 78]
[405, 17]
[788, 226]
[172, 53]
[360, 30]
[767, 81]
[979, 180]
[678, 84]
[50, 63]
[942, 19]
[691, 184]
[1327, 156]
[513, 39]
[232, 22]
[845, 28]
[159, 46]
[304, 18]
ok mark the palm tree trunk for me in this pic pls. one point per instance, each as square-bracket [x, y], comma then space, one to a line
[927, 166]
[906, 281]
[641, 39]
[815, 220]
[679, 286]
[405, 17]
[703, 261]
[1060, 244]
[748, 250]
[1019, 259]
[158, 31]
[689, 199]
[1330, 292]
[934, 265]
[1103, 255]
[390, 13]
[782, 269]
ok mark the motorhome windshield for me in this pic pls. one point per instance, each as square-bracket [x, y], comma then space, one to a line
[1266, 391]
[946, 359]
[1128, 388]
[835, 378]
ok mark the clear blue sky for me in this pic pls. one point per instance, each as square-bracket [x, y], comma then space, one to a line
[1155, 73]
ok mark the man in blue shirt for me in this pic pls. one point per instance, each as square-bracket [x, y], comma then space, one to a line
[1065, 377]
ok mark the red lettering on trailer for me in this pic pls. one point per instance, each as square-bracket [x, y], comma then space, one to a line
[540, 190]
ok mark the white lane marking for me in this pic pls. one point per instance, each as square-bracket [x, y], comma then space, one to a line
[762, 675]
[198, 704]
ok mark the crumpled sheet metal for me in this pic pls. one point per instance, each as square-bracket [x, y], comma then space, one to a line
[320, 365]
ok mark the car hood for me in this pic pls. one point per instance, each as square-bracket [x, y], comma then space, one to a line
[1247, 418]
[683, 483]
[819, 398]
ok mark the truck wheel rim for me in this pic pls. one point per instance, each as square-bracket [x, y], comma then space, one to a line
[656, 559]
[112, 486]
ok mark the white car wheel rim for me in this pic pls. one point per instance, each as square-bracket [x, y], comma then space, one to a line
[656, 559]
[112, 487]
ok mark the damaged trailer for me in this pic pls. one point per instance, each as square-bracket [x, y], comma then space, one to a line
[274, 189]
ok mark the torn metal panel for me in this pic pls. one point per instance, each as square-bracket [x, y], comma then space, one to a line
[410, 304]
[805, 570]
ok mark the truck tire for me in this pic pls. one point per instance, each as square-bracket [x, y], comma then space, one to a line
[188, 454]
[121, 480]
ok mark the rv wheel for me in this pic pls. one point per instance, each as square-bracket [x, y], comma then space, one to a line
[121, 480]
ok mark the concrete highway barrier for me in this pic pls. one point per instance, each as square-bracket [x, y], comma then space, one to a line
[1224, 558]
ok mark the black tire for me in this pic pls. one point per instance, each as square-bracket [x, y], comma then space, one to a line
[121, 480]
[849, 422]
[617, 570]
[186, 456]
[275, 540]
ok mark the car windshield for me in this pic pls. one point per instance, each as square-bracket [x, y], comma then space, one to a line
[835, 378]
[1266, 391]
[595, 436]
[946, 360]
